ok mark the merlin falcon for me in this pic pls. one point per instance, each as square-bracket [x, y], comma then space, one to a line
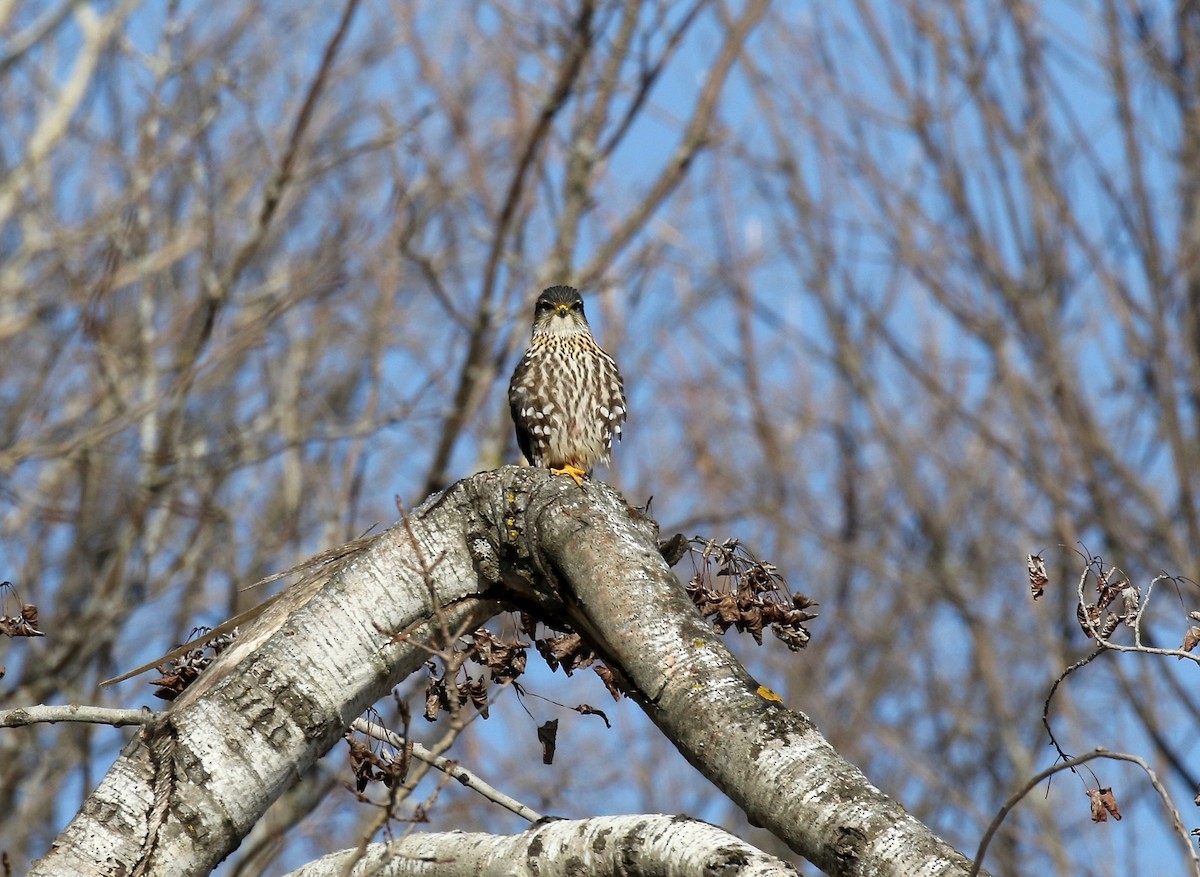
[566, 395]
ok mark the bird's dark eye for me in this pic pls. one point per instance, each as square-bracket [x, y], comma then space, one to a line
[577, 306]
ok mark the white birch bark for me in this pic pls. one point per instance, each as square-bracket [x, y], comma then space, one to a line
[276, 701]
[634, 846]
[770, 760]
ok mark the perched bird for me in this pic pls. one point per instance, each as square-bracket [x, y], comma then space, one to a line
[566, 395]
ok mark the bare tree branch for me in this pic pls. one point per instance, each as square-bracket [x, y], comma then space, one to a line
[33, 715]
[663, 845]
[695, 138]
[460, 773]
[1070, 764]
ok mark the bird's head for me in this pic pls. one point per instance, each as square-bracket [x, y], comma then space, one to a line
[559, 311]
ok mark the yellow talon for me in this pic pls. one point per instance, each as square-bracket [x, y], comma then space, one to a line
[574, 472]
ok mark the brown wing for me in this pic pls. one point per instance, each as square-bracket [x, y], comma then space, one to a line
[521, 403]
[614, 412]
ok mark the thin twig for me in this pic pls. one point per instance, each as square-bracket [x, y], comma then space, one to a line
[275, 189]
[649, 76]
[1071, 764]
[1050, 696]
[452, 768]
[93, 715]
[694, 139]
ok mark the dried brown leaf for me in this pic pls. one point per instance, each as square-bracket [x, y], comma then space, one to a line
[505, 660]
[1088, 617]
[606, 676]
[1103, 804]
[735, 589]
[568, 651]
[477, 692]
[1099, 813]
[435, 699]
[728, 612]
[1130, 599]
[1110, 624]
[1191, 638]
[24, 624]
[585, 710]
[548, 737]
[360, 765]
[795, 638]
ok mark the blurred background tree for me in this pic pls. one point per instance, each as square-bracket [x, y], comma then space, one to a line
[901, 291]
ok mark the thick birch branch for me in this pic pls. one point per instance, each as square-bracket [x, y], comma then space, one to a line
[771, 761]
[635, 846]
[184, 792]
